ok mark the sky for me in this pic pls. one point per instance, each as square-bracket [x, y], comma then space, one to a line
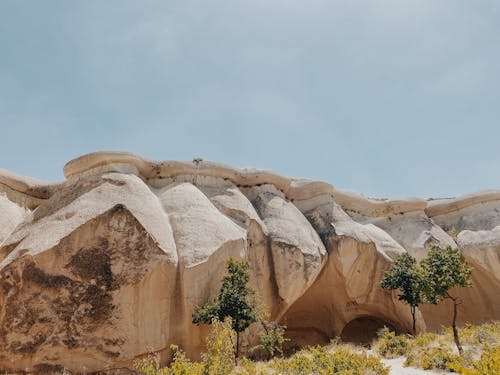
[387, 98]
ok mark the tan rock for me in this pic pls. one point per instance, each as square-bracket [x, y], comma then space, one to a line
[297, 251]
[414, 231]
[108, 265]
[437, 207]
[11, 215]
[96, 269]
[92, 301]
[205, 239]
[345, 294]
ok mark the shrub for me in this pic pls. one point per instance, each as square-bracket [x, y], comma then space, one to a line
[432, 358]
[429, 351]
[488, 364]
[180, 365]
[219, 358]
[247, 367]
[183, 366]
[390, 345]
[319, 360]
[423, 341]
[271, 340]
[487, 333]
[150, 366]
[299, 363]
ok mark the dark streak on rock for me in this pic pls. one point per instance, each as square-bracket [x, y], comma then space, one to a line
[93, 264]
[36, 275]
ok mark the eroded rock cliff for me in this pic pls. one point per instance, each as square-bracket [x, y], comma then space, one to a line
[108, 265]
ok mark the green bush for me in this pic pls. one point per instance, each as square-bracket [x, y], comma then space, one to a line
[322, 361]
[272, 338]
[390, 345]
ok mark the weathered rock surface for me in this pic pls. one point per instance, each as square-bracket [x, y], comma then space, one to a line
[10, 217]
[108, 265]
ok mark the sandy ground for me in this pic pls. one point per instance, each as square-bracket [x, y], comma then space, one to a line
[397, 368]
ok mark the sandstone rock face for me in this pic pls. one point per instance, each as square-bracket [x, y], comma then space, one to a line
[11, 216]
[108, 265]
[296, 249]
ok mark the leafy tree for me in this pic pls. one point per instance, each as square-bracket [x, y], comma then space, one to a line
[405, 275]
[235, 300]
[444, 270]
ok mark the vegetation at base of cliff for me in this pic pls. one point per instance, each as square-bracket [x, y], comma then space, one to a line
[219, 360]
[341, 359]
[487, 364]
[236, 307]
[390, 345]
[335, 359]
[481, 353]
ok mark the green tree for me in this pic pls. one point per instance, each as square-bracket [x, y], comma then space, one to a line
[405, 275]
[444, 270]
[235, 300]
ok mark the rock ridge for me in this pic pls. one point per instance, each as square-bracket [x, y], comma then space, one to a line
[99, 269]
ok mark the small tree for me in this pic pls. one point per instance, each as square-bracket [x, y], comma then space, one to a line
[272, 338]
[234, 301]
[272, 335]
[442, 271]
[405, 275]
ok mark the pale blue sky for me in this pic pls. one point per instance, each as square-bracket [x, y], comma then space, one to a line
[388, 98]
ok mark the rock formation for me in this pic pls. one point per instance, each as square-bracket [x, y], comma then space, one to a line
[108, 265]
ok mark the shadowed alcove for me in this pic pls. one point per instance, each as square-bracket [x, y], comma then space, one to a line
[363, 330]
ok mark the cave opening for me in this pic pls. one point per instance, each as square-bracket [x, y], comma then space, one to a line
[363, 330]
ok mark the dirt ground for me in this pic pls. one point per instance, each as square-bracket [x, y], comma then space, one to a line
[397, 368]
